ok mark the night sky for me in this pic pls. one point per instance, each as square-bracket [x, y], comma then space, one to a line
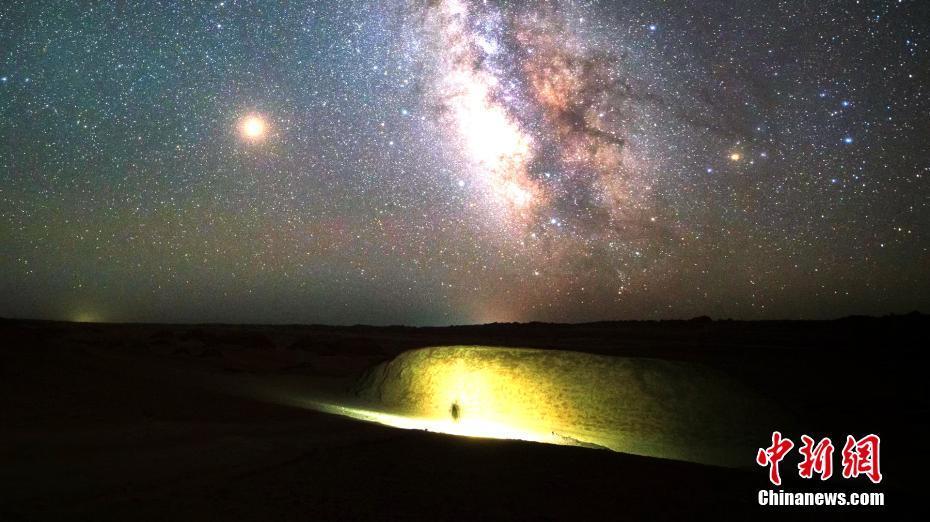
[461, 161]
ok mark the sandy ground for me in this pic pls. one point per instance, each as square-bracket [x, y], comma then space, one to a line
[144, 422]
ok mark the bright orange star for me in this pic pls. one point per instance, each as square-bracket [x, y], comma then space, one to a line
[253, 127]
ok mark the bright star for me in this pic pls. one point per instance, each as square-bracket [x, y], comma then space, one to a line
[253, 127]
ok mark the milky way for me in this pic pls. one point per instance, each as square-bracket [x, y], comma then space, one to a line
[450, 161]
[536, 113]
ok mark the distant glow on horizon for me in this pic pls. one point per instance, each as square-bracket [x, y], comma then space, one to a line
[86, 317]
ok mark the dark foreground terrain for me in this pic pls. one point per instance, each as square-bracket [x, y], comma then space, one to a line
[202, 422]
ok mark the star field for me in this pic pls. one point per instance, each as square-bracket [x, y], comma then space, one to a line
[458, 161]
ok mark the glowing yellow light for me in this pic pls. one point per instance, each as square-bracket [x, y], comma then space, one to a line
[85, 317]
[640, 406]
[735, 156]
[472, 392]
[478, 428]
[253, 127]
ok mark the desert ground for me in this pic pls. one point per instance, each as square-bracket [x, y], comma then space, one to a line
[205, 422]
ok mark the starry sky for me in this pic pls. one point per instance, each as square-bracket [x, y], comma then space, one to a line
[463, 161]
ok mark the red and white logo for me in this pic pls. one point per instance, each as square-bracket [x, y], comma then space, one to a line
[859, 457]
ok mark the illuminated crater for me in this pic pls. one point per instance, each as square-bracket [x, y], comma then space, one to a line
[633, 405]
